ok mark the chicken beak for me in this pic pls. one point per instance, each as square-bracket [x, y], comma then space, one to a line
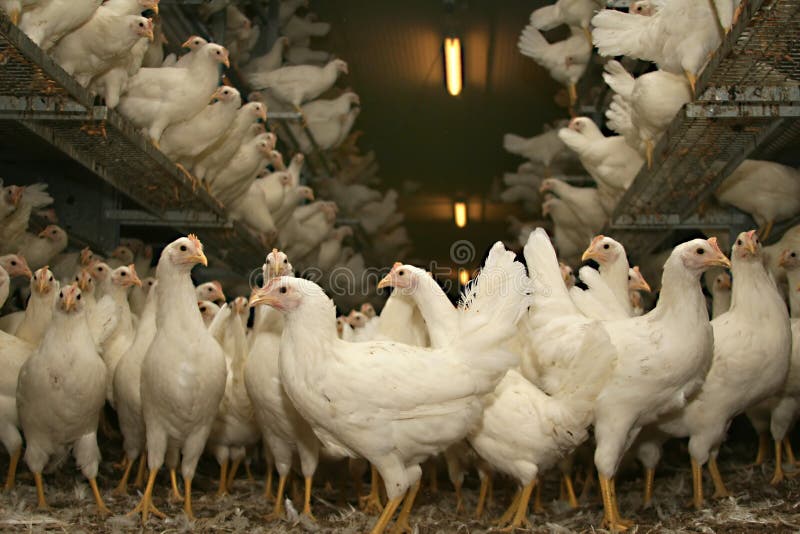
[591, 253]
[750, 243]
[187, 42]
[150, 35]
[69, 300]
[26, 271]
[43, 233]
[784, 259]
[641, 285]
[154, 8]
[386, 282]
[720, 260]
[227, 62]
[261, 296]
[200, 258]
[262, 114]
[41, 284]
[276, 269]
[134, 279]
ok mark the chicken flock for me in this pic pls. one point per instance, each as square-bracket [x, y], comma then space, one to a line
[525, 375]
[216, 134]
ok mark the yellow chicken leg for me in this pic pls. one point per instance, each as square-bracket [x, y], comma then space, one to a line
[697, 484]
[223, 478]
[14, 16]
[122, 487]
[459, 498]
[232, 474]
[521, 515]
[573, 95]
[102, 509]
[277, 510]
[767, 230]
[692, 82]
[649, 152]
[512, 508]
[763, 446]
[12, 469]
[787, 444]
[307, 499]
[777, 478]
[571, 498]
[720, 491]
[386, 515]
[402, 526]
[139, 482]
[146, 506]
[42, 504]
[649, 479]
[485, 481]
[371, 504]
[611, 517]
[187, 502]
[176, 493]
[268, 487]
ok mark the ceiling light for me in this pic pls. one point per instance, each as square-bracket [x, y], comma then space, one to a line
[460, 214]
[463, 277]
[452, 65]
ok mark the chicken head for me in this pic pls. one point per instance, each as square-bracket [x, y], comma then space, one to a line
[636, 281]
[276, 265]
[210, 291]
[186, 252]
[15, 265]
[70, 300]
[126, 276]
[43, 281]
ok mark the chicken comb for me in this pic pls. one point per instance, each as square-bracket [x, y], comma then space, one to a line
[396, 265]
[750, 234]
[196, 242]
[713, 242]
[636, 270]
[216, 284]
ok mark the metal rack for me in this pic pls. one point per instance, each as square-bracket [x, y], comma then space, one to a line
[38, 97]
[749, 106]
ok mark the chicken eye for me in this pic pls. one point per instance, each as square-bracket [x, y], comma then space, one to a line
[701, 251]
[203, 309]
[739, 242]
[183, 248]
[51, 278]
[283, 290]
[123, 274]
[794, 254]
[285, 261]
[13, 263]
[100, 269]
[629, 277]
[606, 246]
[61, 295]
[78, 297]
[401, 273]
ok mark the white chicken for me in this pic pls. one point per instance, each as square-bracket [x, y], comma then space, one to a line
[569, 234]
[269, 61]
[210, 291]
[40, 249]
[720, 295]
[769, 192]
[545, 147]
[60, 393]
[752, 348]
[583, 201]
[654, 99]
[157, 98]
[566, 60]
[47, 22]
[13, 8]
[299, 30]
[237, 177]
[214, 158]
[297, 84]
[120, 339]
[127, 394]
[183, 373]
[393, 433]
[34, 321]
[570, 12]
[283, 429]
[609, 160]
[678, 37]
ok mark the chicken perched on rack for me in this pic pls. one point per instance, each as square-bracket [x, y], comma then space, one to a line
[570, 12]
[297, 84]
[183, 373]
[47, 22]
[768, 191]
[393, 433]
[158, 98]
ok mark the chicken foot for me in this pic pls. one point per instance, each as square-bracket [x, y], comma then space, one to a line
[146, 505]
[386, 515]
[232, 474]
[611, 516]
[42, 502]
[459, 498]
[697, 484]
[277, 510]
[401, 526]
[12, 470]
[176, 493]
[520, 518]
[223, 478]
[122, 487]
[102, 509]
[570, 489]
[778, 477]
[307, 499]
[268, 496]
[509, 513]
[486, 481]
[187, 501]
[720, 491]
[371, 504]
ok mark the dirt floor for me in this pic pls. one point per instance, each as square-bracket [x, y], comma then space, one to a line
[755, 506]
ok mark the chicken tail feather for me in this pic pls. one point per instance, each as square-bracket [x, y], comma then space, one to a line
[546, 18]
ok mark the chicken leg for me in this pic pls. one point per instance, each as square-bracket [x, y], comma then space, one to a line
[570, 489]
[268, 496]
[176, 493]
[649, 479]
[521, 514]
[102, 509]
[12, 469]
[139, 482]
[588, 33]
[433, 474]
[611, 517]
[122, 487]
[386, 515]
[223, 478]
[232, 474]
[777, 477]
[371, 504]
[720, 491]
[787, 443]
[650, 147]
[307, 499]
[509, 513]
[277, 510]
[459, 498]
[763, 445]
[14, 16]
[402, 526]
[692, 78]
[42, 504]
[486, 481]
[697, 484]
[146, 505]
[767, 230]
[187, 502]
